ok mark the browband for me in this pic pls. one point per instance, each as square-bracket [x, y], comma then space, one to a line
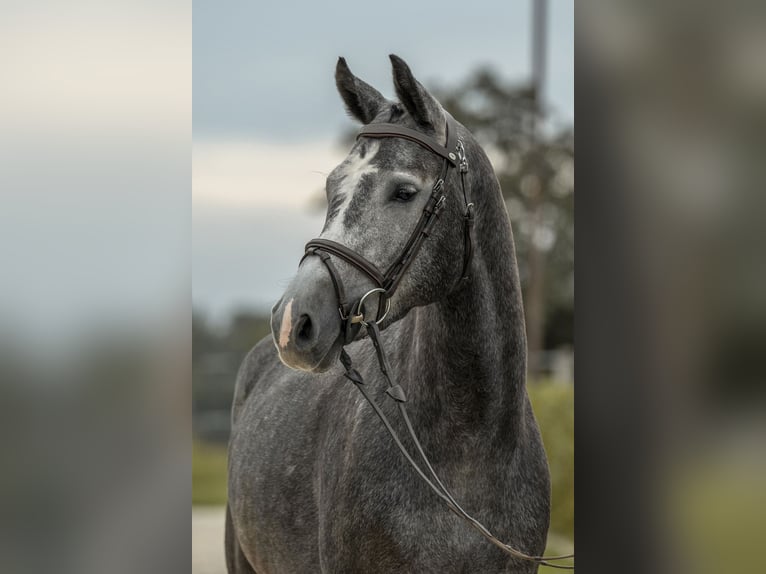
[396, 131]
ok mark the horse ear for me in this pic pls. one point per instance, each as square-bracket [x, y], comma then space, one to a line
[421, 105]
[362, 100]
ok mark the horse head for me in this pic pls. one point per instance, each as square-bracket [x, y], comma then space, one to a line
[375, 198]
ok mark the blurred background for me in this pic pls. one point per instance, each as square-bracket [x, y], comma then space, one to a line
[95, 360]
[268, 128]
[95, 265]
[671, 313]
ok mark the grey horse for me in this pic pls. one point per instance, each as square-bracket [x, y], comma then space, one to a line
[315, 482]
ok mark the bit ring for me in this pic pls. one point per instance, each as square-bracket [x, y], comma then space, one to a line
[358, 317]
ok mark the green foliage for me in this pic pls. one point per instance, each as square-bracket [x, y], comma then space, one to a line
[553, 404]
[557, 546]
[208, 474]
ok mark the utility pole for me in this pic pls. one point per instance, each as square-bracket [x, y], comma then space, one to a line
[539, 52]
[535, 295]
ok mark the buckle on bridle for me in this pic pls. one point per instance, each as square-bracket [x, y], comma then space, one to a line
[463, 162]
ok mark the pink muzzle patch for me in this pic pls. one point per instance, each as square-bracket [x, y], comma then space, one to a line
[287, 325]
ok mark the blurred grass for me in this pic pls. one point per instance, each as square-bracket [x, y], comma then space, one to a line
[553, 403]
[557, 545]
[208, 474]
[716, 505]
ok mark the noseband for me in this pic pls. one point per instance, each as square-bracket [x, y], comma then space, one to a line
[453, 155]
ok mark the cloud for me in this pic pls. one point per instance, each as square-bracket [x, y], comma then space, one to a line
[95, 111]
[251, 217]
[252, 173]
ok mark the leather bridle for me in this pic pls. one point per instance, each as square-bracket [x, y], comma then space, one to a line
[352, 316]
[387, 282]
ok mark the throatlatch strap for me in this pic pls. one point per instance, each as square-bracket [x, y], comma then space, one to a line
[468, 218]
[467, 242]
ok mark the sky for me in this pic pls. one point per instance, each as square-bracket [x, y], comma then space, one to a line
[102, 100]
[267, 117]
[95, 169]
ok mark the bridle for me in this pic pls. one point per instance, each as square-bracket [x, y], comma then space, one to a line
[387, 282]
[352, 316]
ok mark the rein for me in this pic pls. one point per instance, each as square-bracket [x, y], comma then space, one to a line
[453, 155]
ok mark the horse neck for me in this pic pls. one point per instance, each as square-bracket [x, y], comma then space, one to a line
[466, 359]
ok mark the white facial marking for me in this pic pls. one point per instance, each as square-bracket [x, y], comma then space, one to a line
[353, 171]
[287, 324]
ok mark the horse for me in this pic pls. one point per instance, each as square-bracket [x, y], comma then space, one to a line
[315, 482]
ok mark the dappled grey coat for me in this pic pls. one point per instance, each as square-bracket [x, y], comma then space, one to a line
[315, 483]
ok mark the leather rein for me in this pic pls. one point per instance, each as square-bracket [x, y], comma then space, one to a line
[352, 316]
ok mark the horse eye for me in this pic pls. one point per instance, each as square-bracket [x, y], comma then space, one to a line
[404, 194]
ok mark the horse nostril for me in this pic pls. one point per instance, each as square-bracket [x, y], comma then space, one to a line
[304, 329]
